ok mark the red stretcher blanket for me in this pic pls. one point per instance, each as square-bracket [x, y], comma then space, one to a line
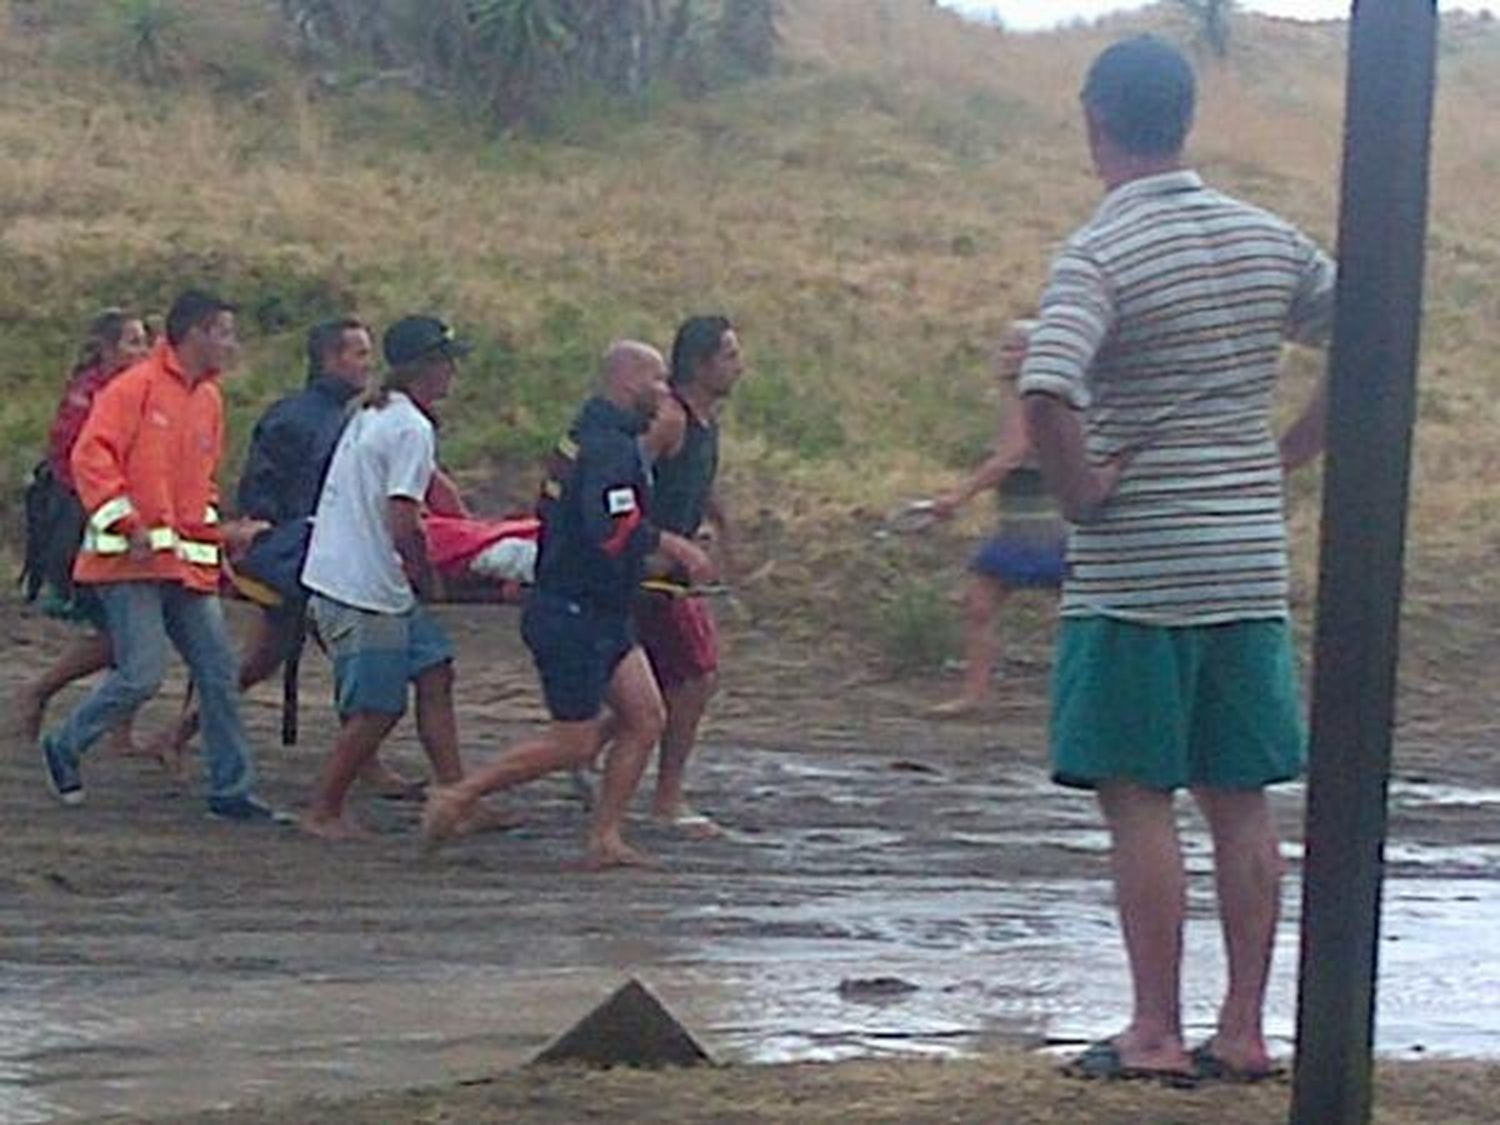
[502, 550]
[465, 550]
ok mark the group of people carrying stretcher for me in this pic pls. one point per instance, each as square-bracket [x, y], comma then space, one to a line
[346, 521]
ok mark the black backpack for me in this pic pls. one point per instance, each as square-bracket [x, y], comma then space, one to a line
[55, 521]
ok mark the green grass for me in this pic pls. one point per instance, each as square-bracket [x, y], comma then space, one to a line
[872, 216]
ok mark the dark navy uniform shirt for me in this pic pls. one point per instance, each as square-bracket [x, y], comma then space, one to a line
[290, 450]
[595, 511]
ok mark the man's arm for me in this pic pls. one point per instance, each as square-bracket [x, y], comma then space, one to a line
[1310, 321]
[444, 497]
[1081, 489]
[668, 430]
[614, 517]
[1303, 441]
[1077, 315]
[1011, 448]
[98, 464]
[683, 555]
[410, 465]
[411, 544]
[717, 513]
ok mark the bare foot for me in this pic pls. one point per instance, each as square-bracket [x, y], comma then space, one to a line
[689, 821]
[444, 812]
[488, 818]
[612, 851]
[332, 828]
[958, 708]
[1168, 1055]
[1247, 1059]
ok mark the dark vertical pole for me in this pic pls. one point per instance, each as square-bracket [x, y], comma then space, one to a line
[291, 673]
[1382, 239]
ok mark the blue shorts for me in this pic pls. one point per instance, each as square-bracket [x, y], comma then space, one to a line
[576, 650]
[1020, 562]
[375, 655]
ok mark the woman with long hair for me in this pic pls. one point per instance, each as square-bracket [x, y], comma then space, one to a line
[114, 340]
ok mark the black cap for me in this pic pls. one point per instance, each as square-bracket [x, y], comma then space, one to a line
[414, 337]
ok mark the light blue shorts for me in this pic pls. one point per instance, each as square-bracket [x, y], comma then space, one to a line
[376, 655]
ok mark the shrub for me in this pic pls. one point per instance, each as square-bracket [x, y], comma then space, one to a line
[917, 627]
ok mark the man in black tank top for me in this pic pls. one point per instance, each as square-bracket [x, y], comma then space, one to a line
[679, 634]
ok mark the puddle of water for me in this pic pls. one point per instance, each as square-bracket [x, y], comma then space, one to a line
[989, 962]
[1424, 793]
[753, 963]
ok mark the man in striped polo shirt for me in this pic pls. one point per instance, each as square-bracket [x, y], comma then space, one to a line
[1148, 388]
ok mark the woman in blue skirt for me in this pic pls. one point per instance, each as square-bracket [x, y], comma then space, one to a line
[1028, 549]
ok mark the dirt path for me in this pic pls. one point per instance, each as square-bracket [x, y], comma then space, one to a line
[153, 961]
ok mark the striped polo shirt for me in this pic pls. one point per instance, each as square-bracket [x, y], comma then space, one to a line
[1163, 321]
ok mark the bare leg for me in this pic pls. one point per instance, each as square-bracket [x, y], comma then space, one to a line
[982, 602]
[567, 745]
[83, 657]
[1247, 872]
[1150, 891]
[686, 702]
[437, 725]
[638, 706]
[121, 741]
[358, 738]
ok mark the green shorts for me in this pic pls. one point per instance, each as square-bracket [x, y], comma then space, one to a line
[1217, 706]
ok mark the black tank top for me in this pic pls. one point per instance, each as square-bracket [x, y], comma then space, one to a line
[684, 482]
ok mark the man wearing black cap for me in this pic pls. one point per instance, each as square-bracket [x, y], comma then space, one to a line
[367, 567]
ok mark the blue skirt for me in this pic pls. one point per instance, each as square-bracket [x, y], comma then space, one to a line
[1022, 562]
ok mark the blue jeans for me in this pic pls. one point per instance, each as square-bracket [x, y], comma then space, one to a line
[141, 618]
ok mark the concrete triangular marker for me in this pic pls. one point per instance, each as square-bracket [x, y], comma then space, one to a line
[631, 1028]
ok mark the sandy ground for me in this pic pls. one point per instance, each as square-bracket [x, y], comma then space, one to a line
[999, 1090]
[138, 887]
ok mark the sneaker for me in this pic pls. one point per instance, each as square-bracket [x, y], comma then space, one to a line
[246, 810]
[63, 778]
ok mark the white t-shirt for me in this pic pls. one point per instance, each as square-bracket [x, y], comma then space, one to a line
[383, 453]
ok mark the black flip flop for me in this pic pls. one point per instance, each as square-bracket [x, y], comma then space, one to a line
[1208, 1067]
[1101, 1062]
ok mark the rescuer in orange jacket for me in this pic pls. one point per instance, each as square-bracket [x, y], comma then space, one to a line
[144, 468]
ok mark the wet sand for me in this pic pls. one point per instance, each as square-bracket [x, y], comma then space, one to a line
[153, 962]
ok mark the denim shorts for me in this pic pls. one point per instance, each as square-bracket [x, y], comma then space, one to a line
[576, 650]
[376, 655]
[1216, 706]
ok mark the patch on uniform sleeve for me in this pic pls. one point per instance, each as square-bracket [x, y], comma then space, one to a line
[620, 501]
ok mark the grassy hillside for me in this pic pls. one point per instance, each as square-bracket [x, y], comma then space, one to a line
[872, 216]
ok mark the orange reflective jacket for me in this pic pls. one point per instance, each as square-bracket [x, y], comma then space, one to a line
[146, 461]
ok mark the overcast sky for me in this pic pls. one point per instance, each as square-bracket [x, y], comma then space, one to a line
[1032, 14]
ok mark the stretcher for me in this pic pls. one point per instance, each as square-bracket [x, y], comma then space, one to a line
[478, 560]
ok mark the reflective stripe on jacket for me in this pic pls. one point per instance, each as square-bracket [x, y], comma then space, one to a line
[146, 461]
